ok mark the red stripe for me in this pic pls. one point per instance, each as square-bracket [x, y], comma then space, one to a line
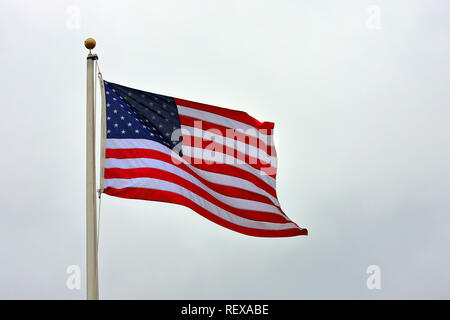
[171, 197]
[232, 114]
[256, 163]
[239, 136]
[116, 173]
[217, 168]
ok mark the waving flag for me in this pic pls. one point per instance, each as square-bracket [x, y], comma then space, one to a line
[221, 163]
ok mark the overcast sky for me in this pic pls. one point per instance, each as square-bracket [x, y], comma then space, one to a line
[359, 93]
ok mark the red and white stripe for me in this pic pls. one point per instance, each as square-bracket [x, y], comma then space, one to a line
[230, 184]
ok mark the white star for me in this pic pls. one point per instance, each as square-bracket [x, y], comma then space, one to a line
[107, 92]
[107, 104]
[116, 125]
[115, 111]
[108, 118]
[123, 131]
[109, 131]
[122, 118]
[129, 124]
[129, 93]
[137, 131]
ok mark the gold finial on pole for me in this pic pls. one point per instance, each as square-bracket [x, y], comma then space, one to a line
[89, 43]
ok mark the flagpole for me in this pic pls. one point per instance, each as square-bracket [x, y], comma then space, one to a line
[91, 200]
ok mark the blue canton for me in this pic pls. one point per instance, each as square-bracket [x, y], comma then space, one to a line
[136, 114]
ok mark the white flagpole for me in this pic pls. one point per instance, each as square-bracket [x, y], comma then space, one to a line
[91, 200]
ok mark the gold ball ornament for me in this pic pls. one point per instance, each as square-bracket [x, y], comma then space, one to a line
[89, 43]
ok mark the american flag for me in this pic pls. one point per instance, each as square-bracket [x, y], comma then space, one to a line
[219, 162]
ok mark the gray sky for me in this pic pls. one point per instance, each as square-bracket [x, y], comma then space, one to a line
[359, 93]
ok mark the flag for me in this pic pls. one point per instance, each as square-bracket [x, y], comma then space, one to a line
[219, 162]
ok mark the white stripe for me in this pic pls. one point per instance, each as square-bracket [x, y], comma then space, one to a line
[150, 183]
[150, 144]
[226, 122]
[137, 144]
[168, 167]
[242, 147]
